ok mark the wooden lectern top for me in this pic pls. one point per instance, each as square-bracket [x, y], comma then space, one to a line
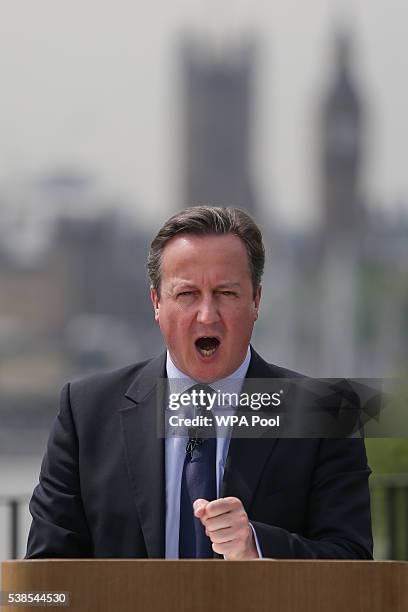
[136, 585]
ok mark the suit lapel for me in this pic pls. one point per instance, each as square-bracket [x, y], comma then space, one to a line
[247, 456]
[145, 453]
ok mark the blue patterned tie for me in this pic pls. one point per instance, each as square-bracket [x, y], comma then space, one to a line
[198, 481]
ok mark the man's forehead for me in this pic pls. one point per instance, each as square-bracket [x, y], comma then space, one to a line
[185, 244]
[214, 259]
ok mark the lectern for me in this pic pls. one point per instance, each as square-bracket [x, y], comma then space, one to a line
[136, 585]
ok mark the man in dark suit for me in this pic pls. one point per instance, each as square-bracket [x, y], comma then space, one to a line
[110, 487]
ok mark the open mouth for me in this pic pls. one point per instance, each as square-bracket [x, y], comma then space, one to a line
[207, 345]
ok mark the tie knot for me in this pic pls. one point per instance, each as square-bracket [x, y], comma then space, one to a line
[201, 395]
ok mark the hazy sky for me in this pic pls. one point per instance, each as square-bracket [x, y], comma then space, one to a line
[93, 84]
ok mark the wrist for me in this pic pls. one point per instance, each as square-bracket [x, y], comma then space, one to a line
[250, 551]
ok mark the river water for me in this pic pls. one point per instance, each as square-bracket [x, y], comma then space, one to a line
[18, 477]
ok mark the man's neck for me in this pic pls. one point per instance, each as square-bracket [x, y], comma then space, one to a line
[173, 371]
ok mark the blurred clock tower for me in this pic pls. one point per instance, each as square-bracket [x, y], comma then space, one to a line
[342, 230]
[342, 149]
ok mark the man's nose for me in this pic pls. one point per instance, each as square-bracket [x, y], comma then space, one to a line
[208, 311]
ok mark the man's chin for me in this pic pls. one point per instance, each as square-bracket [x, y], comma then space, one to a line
[202, 378]
[207, 370]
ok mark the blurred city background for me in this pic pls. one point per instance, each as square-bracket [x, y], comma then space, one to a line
[112, 118]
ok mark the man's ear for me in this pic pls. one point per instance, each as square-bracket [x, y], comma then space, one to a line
[155, 301]
[257, 301]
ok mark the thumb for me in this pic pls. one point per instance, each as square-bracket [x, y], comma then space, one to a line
[199, 507]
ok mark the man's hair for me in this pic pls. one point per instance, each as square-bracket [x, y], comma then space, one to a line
[208, 220]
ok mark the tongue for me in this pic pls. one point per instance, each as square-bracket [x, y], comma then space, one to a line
[207, 344]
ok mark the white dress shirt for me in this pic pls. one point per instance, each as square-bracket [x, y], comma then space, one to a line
[175, 450]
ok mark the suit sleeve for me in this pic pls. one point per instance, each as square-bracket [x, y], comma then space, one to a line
[59, 527]
[338, 524]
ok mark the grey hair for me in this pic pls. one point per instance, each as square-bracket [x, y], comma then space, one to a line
[207, 220]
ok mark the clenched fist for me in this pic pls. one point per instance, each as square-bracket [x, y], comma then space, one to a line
[226, 524]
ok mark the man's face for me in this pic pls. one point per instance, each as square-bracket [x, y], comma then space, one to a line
[206, 311]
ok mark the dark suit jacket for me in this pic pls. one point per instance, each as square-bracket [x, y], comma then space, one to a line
[102, 483]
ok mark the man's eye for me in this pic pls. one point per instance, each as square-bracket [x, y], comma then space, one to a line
[185, 293]
[228, 293]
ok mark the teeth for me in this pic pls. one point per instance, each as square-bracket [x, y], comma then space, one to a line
[207, 353]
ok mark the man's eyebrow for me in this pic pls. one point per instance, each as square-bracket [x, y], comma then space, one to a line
[228, 285]
[183, 284]
[180, 283]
